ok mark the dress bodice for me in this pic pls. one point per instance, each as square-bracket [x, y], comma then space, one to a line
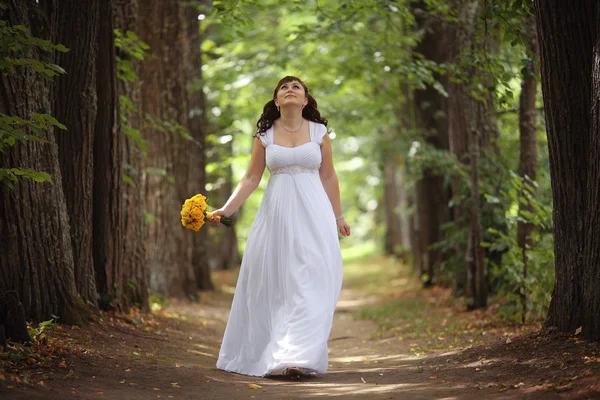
[290, 160]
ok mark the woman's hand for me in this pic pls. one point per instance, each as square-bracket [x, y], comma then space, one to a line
[343, 227]
[215, 216]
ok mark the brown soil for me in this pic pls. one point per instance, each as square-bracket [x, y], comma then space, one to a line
[172, 355]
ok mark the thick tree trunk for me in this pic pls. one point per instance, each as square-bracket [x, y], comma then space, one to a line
[133, 257]
[431, 121]
[164, 103]
[528, 152]
[198, 128]
[108, 208]
[75, 106]
[569, 47]
[36, 256]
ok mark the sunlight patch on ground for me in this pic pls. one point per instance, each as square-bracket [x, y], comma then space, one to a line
[356, 252]
[201, 353]
[373, 359]
[356, 303]
[205, 347]
[329, 389]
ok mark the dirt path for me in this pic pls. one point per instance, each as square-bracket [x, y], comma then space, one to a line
[172, 355]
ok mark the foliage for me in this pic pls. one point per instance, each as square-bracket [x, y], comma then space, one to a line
[22, 50]
[36, 332]
[130, 49]
[20, 47]
[509, 277]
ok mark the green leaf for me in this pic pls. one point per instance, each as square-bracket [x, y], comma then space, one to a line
[128, 180]
[61, 48]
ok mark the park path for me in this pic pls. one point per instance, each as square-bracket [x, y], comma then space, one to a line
[172, 355]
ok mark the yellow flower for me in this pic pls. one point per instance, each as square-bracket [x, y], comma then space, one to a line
[192, 212]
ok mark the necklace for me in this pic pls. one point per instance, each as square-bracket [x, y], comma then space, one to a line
[290, 130]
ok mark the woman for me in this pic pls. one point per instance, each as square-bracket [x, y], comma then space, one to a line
[291, 273]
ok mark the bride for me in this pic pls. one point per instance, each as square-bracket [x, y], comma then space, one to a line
[291, 272]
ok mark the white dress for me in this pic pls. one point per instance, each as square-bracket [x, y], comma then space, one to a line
[291, 272]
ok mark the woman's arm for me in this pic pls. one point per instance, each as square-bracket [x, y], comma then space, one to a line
[247, 185]
[330, 183]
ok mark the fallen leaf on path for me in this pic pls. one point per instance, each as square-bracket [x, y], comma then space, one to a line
[177, 365]
[123, 381]
[156, 388]
[585, 372]
[254, 386]
[99, 392]
[175, 385]
[508, 341]
[71, 374]
[363, 380]
[578, 330]
[564, 388]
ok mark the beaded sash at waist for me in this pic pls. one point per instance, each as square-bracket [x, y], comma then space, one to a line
[294, 169]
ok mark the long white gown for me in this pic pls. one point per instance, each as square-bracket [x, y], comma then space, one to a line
[291, 272]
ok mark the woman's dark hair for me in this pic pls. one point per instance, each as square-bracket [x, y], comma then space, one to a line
[270, 112]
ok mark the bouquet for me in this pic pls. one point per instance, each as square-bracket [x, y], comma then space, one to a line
[193, 214]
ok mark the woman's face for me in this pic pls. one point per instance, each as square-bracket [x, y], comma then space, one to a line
[290, 94]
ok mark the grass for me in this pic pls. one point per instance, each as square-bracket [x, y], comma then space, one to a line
[428, 319]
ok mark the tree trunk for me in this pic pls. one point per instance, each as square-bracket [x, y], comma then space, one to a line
[392, 188]
[431, 121]
[459, 116]
[164, 105]
[198, 128]
[528, 152]
[478, 273]
[75, 106]
[108, 207]
[568, 43]
[134, 257]
[36, 256]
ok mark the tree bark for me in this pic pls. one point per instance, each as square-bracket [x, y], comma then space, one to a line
[198, 128]
[75, 106]
[393, 201]
[431, 121]
[477, 268]
[163, 105]
[36, 256]
[459, 117]
[134, 256]
[108, 208]
[569, 47]
[528, 150]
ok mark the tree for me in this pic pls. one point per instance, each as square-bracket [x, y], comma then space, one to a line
[528, 147]
[108, 212]
[432, 123]
[164, 105]
[130, 52]
[36, 256]
[75, 105]
[198, 127]
[572, 106]
[471, 128]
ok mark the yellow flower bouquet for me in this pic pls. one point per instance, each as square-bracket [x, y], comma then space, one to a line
[193, 213]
